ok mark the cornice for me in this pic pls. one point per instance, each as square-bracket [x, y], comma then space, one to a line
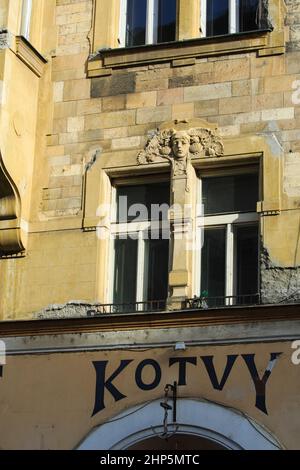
[140, 321]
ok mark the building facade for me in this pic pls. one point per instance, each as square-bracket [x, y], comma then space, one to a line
[149, 224]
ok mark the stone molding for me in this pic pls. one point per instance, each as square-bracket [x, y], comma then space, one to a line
[10, 238]
[104, 61]
[203, 142]
[29, 55]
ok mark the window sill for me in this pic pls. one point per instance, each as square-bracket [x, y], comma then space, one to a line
[29, 55]
[265, 42]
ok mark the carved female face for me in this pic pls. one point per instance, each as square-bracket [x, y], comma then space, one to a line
[180, 145]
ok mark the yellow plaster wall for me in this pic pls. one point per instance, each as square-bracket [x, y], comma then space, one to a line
[3, 13]
[54, 410]
[58, 265]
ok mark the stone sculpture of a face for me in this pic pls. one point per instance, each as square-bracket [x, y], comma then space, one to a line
[180, 142]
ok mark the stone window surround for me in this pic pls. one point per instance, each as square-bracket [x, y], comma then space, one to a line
[250, 164]
[107, 55]
[247, 151]
[262, 151]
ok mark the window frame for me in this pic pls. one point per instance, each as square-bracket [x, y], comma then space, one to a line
[228, 220]
[139, 228]
[233, 18]
[151, 23]
[26, 17]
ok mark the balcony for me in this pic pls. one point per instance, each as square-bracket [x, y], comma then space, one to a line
[134, 307]
[205, 303]
[196, 303]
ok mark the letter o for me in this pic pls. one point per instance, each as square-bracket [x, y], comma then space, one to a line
[138, 374]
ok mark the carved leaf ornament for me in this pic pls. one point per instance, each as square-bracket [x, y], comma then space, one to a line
[203, 143]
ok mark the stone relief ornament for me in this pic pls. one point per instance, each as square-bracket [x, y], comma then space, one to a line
[178, 146]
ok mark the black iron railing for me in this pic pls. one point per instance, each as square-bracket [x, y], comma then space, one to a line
[196, 303]
[224, 301]
[134, 307]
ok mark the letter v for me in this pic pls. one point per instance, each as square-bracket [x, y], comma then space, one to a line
[209, 365]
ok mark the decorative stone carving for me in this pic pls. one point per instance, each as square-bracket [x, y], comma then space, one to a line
[10, 239]
[178, 146]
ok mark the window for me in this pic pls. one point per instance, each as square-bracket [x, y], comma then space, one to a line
[140, 246]
[147, 22]
[227, 230]
[26, 18]
[229, 16]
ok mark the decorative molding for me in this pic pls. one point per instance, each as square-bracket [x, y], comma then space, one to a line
[29, 55]
[104, 61]
[152, 320]
[195, 417]
[178, 146]
[10, 240]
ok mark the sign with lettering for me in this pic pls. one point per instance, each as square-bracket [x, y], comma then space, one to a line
[105, 382]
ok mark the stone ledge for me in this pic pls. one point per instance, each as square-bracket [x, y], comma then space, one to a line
[64, 324]
[29, 55]
[180, 52]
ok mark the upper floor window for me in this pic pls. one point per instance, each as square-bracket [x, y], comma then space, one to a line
[228, 233]
[147, 22]
[26, 18]
[229, 16]
[140, 247]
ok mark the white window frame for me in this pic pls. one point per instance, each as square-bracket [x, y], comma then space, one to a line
[233, 17]
[141, 230]
[26, 18]
[230, 221]
[151, 22]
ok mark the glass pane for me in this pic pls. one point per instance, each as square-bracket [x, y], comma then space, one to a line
[248, 15]
[217, 12]
[247, 262]
[125, 271]
[166, 29]
[136, 22]
[26, 18]
[157, 269]
[213, 264]
[150, 196]
[225, 194]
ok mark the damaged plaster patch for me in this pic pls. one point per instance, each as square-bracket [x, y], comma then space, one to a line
[265, 20]
[271, 134]
[292, 22]
[73, 309]
[278, 284]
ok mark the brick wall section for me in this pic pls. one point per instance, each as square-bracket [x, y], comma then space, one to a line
[242, 93]
[71, 93]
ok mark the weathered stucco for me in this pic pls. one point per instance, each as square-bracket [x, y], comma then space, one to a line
[279, 284]
[68, 124]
